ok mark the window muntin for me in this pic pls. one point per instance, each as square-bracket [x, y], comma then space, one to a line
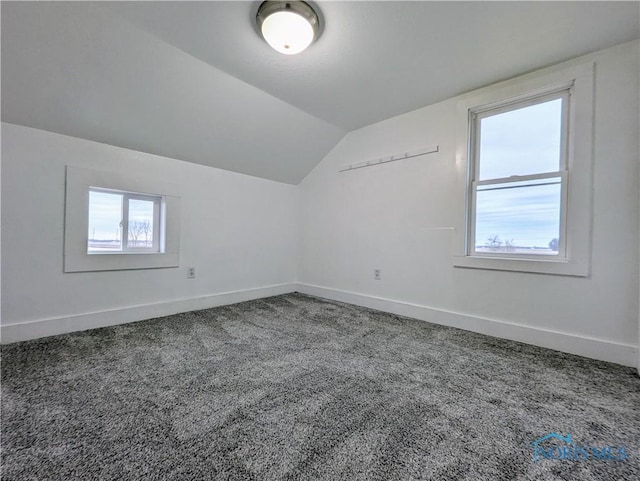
[124, 222]
[519, 178]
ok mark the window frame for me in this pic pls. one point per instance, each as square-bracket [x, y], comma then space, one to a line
[577, 194]
[77, 258]
[475, 134]
[158, 226]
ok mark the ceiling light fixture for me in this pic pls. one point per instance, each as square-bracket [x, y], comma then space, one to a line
[289, 27]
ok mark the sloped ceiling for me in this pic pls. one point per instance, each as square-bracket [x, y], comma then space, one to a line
[194, 81]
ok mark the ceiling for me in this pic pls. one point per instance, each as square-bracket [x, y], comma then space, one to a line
[194, 81]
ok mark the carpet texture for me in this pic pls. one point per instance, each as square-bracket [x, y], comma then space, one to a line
[299, 388]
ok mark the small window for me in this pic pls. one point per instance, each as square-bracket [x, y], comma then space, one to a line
[519, 178]
[124, 222]
[120, 221]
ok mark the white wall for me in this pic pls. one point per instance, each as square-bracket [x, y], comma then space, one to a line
[398, 217]
[238, 231]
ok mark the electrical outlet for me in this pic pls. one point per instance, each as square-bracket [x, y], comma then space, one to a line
[191, 272]
[377, 274]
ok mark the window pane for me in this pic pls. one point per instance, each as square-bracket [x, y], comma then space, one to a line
[522, 141]
[140, 223]
[105, 215]
[519, 218]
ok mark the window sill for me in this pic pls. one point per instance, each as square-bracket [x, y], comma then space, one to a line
[535, 266]
[120, 261]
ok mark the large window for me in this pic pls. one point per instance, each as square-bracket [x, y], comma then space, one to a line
[525, 174]
[119, 221]
[519, 178]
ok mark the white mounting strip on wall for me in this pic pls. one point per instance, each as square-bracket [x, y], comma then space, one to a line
[390, 158]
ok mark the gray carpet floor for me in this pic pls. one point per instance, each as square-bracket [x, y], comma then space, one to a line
[299, 388]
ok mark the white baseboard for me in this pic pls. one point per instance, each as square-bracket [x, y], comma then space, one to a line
[619, 353]
[80, 322]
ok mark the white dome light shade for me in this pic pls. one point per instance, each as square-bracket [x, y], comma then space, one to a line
[287, 32]
[289, 27]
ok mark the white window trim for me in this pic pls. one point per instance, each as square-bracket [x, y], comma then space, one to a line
[76, 257]
[579, 192]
